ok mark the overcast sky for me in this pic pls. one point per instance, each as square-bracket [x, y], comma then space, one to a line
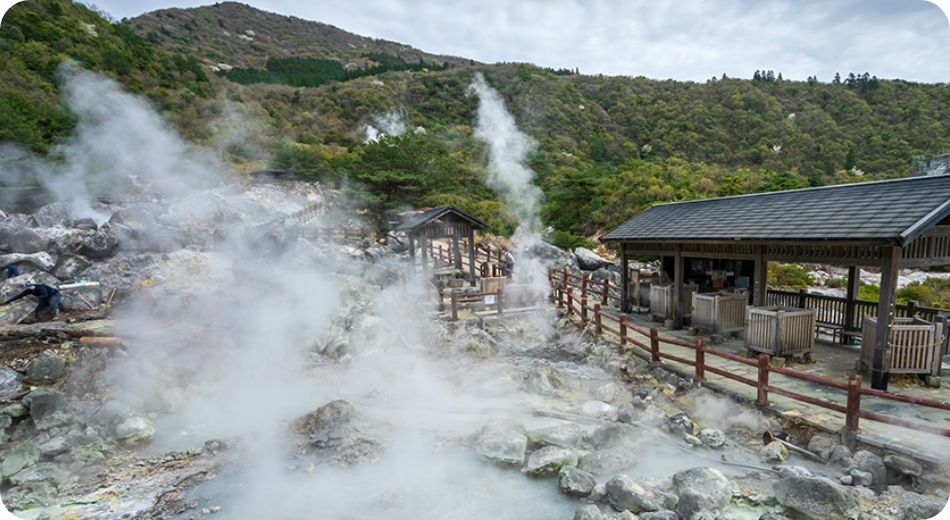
[681, 39]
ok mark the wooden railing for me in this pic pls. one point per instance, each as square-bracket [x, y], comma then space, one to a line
[488, 260]
[833, 310]
[592, 316]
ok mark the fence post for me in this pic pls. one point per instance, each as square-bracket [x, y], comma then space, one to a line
[455, 307]
[606, 292]
[654, 346]
[801, 298]
[700, 359]
[912, 309]
[597, 327]
[584, 310]
[623, 329]
[500, 297]
[583, 287]
[762, 398]
[849, 434]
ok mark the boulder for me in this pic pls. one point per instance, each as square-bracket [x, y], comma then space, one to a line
[10, 383]
[575, 482]
[101, 245]
[50, 215]
[681, 423]
[772, 516]
[839, 453]
[550, 255]
[41, 261]
[822, 445]
[18, 458]
[45, 369]
[86, 224]
[818, 498]
[711, 437]
[108, 415]
[549, 460]
[607, 392]
[541, 379]
[666, 514]
[774, 452]
[589, 512]
[691, 502]
[872, 463]
[27, 241]
[608, 461]
[566, 435]
[337, 431]
[501, 442]
[48, 408]
[627, 413]
[596, 410]
[860, 478]
[273, 239]
[624, 492]
[70, 266]
[587, 260]
[708, 481]
[134, 430]
[42, 478]
[904, 466]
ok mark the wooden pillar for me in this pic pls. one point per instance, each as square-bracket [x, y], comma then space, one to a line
[885, 313]
[624, 280]
[678, 274]
[854, 284]
[456, 254]
[761, 275]
[424, 246]
[412, 256]
[471, 255]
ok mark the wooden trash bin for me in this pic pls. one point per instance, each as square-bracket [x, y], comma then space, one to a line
[661, 300]
[915, 346]
[719, 312]
[780, 331]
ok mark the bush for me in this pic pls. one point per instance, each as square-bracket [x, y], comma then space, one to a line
[789, 275]
[835, 283]
[922, 294]
[870, 292]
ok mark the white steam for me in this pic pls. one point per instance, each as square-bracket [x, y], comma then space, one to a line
[390, 123]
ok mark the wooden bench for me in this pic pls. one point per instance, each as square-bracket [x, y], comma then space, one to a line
[836, 331]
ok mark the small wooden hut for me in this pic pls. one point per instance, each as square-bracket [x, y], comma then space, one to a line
[442, 222]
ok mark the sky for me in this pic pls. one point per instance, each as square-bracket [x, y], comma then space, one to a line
[686, 40]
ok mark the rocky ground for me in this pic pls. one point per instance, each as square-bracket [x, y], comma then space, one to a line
[200, 336]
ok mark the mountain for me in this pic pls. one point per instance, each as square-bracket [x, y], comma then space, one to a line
[605, 147]
[239, 35]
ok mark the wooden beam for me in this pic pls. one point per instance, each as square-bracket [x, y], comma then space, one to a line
[885, 314]
[624, 280]
[854, 284]
[761, 278]
[471, 255]
[678, 273]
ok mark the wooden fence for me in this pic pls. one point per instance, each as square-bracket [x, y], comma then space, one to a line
[592, 316]
[832, 310]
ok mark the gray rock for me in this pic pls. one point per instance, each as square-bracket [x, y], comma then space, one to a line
[840, 453]
[818, 498]
[588, 260]
[551, 255]
[793, 471]
[772, 516]
[596, 409]
[48, 408]
[541, 379]
[575, 482]
[708, 481]
[565, 435]
[135, 430]
[86, 224]
[53, 447]
[711, 437]
[625, 493]
[609, 461]
[627, 413]
[18, 458]
[28, 241]
[873, 464]
[903, 465]
[681, 423]
[501, 442]
[70, 266]
[10, 382]
[273, 239]
[666, 514]
[338, 431]
[45, 369]
[692, 502]
[547, 461]
[598, 494]
[822, 445]
[774, 452]
[41, 477]
[109, 414]
[613, 435]
[41, 261]
[50, 215]
[101, 245]
[607, 392]
[589, 512]
[164, 401]
[860, 478]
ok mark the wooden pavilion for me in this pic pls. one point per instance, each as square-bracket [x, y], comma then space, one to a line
[442, 222]
[890, 225]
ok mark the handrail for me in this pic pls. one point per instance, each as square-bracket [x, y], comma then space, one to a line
[575, 304]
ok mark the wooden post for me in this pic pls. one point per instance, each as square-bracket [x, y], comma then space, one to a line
[471, 255]
[762, 398]
[912, 309]
[761, 275]
[854, 284]
[584, 310]
[624, 280]
[606, 292]
[597, 327]
[622, 328]
[854, 403]
[412, 256]
[500, 297]
[679, 306]
[777, 339]
[801, 298]
[700, 359]
[885, 314]
[654, 346]
[455, 307]
[583, 287]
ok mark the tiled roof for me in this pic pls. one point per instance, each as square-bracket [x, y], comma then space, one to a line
[429, 215]
[892, 211]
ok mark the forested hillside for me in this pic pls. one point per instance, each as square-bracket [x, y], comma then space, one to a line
[607, 147]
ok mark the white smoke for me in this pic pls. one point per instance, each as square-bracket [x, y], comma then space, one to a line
[390, 123]
[509, 149]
